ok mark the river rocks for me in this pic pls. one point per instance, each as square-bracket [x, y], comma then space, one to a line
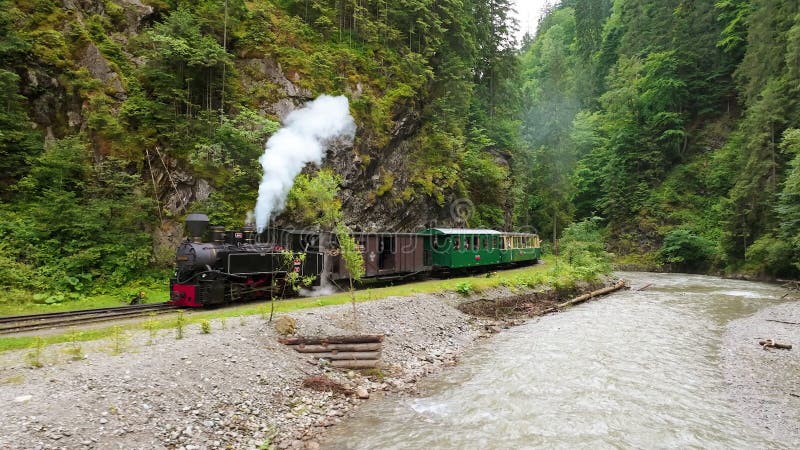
[285, 325]
[241, 389]
[763, 383]
[362, 392]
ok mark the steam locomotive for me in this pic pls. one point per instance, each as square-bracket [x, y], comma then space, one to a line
[215, 266]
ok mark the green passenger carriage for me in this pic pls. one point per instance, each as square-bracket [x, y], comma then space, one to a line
[459, 248]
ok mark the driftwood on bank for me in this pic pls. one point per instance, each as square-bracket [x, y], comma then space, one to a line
[368, 347]
[783, 321]
[578, 300]
[770, 343]
[323, 340]
[346, 352]
[356, 364]
[336, 355]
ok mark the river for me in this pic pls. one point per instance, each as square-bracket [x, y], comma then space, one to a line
[637, 369]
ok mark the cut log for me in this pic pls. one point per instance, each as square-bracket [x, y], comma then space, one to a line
[356, 364]
[303, 348]
[321, 340]
[769, 343]
[337, 355]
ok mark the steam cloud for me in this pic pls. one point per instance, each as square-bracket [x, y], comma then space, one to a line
[303, 139]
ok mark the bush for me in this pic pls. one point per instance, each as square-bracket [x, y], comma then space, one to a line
[583, 246]
[771, 256]
[205, 326]
[464, 288]
[684, 250]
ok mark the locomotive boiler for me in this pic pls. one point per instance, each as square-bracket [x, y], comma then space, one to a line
[215, 266]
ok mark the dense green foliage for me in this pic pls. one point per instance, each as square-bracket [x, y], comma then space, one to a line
[675, 121]
[103, 101]
[583, 247]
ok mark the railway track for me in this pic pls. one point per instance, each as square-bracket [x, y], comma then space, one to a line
[17, 324]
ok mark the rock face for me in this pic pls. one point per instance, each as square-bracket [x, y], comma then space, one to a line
[99, 67]
[266, 82]
[374, 173]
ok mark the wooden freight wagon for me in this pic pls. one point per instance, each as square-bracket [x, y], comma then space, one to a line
[386, 255]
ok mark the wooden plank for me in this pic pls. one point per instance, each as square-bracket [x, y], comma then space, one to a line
[356, 364]
[370, 347]
[345, 355]
[320, 340]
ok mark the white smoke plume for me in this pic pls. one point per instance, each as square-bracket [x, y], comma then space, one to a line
[302, 140]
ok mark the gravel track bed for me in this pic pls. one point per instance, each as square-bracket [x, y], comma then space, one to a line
[765, 384]
[234, 388]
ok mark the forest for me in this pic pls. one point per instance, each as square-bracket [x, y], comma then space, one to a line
[677, 123]
[672, 125]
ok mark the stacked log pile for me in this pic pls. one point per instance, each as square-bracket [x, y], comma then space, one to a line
[346, 352]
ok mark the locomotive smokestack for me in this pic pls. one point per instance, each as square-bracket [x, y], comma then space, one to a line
[196, 224]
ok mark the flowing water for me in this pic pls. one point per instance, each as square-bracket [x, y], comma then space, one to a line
[633, 370]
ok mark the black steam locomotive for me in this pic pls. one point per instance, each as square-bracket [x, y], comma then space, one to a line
[234, 264]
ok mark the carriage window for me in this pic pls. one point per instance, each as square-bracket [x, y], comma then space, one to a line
[456, 243]
[466, 243]
[476, 241]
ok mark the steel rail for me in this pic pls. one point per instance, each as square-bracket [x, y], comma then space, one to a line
[15, 324]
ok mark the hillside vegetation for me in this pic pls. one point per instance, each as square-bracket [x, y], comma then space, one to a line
[677, 122]
[118, 117]
[673, 125]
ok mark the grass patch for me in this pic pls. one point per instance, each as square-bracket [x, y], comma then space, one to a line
[14, 303]
[561, 275]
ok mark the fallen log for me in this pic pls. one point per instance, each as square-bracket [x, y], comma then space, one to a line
[577, 300]
[356, 364]
[336, 355]
[590, 295]
[644, 287]
[770, 343]
[323, 340]
[371, 347]
[783, 321]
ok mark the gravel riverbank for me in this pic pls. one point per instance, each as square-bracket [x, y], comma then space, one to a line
[765, 384]
[236, 387]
